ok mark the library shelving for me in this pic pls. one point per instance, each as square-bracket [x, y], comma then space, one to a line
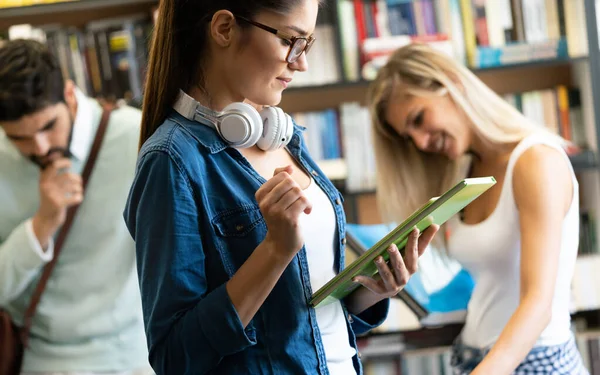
[579, 70]
[340, 72]
[72, 12]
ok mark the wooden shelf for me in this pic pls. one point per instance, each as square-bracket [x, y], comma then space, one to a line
[334, 169]
[400, 342]
[72, 13]
[337, 170]
[503, 80]
[584, 160]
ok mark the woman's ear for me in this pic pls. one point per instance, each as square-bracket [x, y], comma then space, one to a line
[222, 28]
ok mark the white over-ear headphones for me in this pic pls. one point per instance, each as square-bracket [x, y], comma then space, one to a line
[240, 124]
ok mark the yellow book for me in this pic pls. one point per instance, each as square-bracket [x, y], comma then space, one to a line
[466, 10]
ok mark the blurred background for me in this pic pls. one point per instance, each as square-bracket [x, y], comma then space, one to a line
[542, 56]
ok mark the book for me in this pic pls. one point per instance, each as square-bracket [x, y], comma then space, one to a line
[438, 293]
[436, 211]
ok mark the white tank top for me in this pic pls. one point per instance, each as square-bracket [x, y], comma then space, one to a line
[319, 229]
[491, 250]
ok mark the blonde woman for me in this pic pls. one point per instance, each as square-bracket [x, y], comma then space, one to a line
[435, 123]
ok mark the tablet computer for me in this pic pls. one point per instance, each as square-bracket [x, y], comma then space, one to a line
[436, 211]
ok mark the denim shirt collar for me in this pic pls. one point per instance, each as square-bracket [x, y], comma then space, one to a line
[210, 139]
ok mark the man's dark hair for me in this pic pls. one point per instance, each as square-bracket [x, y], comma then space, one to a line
[30, 79]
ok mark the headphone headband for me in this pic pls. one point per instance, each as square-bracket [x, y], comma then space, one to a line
[240, 124]
[191, 109]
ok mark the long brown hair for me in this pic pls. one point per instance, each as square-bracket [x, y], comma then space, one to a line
[180, 43]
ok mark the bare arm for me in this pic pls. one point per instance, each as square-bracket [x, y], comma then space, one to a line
[255, 279]
[543, 193]
[281, 201]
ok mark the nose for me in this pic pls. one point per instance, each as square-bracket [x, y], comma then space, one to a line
[41, 145]
[301, 64]
[420, 139]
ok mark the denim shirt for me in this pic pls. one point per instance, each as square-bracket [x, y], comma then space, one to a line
[195, 220]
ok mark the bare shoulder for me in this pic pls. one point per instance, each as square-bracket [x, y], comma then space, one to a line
[542, 173]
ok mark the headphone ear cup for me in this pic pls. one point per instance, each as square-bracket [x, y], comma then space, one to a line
[288, 132]
[278, 129]
[271, 120]
[240, 125]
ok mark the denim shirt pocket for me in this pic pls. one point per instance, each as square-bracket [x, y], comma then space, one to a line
[239, 231]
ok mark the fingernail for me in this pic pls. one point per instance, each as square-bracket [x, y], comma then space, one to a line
[379, 260]
[415, 231]
[354, 280]
[392, 248]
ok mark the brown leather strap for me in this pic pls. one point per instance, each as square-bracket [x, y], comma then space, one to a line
[62, 236]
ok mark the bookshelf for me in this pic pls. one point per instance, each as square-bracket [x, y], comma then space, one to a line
[68, 6]
[337, 87]
[503, 79]
[76, 13]
[580, 70]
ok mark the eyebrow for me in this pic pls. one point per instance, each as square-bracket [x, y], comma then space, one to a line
[297, 29]
[46, 127]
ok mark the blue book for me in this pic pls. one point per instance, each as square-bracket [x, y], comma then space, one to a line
[446, 302]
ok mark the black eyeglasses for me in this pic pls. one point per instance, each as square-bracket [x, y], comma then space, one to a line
[298, 44]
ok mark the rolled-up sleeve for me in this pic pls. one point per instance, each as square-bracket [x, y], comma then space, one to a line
[21, 260]
[371, 318]
[189, 330]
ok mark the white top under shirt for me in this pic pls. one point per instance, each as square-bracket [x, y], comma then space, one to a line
[491, 252]
[318, 229]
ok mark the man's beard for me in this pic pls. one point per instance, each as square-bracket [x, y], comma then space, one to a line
[44, 161]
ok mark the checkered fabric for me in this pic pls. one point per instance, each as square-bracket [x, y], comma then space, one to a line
[561, 359]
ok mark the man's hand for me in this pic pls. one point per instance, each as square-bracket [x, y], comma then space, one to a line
[59, 190]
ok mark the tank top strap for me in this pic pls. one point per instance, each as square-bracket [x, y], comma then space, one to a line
[527, 143]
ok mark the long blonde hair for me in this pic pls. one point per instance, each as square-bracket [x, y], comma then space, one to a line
[407, 177]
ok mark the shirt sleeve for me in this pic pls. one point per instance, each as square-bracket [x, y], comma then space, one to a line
[371, 318]
[45, 256]
[21, 259]
[189, 328]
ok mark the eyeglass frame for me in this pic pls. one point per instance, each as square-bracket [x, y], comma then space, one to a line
[285, 36]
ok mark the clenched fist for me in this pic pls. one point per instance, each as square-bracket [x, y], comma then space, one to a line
[59, 190]
[281, 201]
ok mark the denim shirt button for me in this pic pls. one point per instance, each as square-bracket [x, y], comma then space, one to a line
[359, 354]
[468, 355]
[338, 201]
[314, 173]
[350, 319]
[344, 241]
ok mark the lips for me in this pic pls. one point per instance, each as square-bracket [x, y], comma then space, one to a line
[438, 144]
[441, 144]
[284, 81]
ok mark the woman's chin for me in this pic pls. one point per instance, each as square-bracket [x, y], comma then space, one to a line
[453, 154]
[273, 99]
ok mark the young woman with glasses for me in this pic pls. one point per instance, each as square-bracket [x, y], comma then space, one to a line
[233, 237]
